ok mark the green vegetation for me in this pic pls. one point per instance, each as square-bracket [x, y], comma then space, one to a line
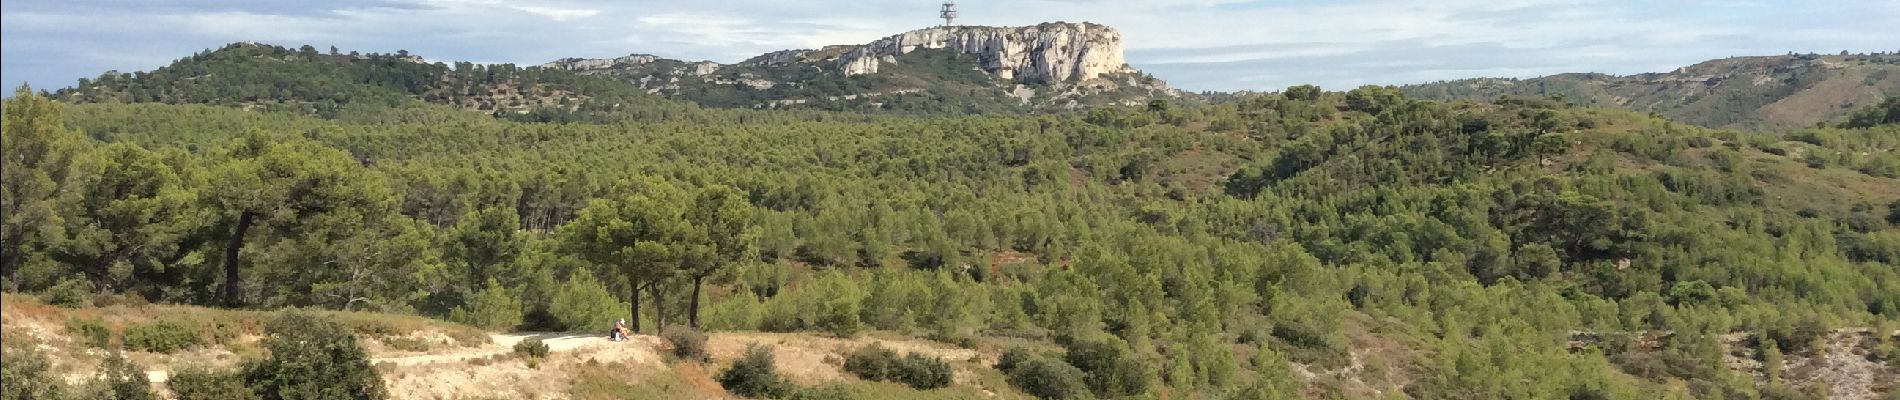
[27, 373]
[1753, 93]
[162, 336]
[208, 384]
[1178, 250]
[120, 379]
[532, 347]
[493, 308]
[1046, 378]
[312, 357]
[754, 375]
[688, 343]
[90, 331]
[875, 363]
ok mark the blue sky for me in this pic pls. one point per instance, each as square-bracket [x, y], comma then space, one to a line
[1195, 44]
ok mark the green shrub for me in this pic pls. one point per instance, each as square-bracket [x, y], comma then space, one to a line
[199, 383]
[923, 372]
[1012, 357]
[407, 344]
[688, 343]
[493, 308]
[26, 373]
[1795, 335]
[873, 362]
[532, 347]
[584, 303]
[90, 331]
[1049, 379]
[162, 336]
[839, 309]
[753, 375]
[1110, 368]
[70, 293]
[876, 363]
[120, 379]
[312, 358]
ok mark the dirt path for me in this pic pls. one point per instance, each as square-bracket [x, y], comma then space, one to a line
[501, 344]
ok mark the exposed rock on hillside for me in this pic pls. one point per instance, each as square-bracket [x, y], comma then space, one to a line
[1060, 65]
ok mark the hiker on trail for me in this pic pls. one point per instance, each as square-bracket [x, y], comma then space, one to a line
[620, 331]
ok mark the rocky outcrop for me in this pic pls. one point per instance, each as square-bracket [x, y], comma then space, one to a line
[1041, 54]
[592, 64]
[1049, 53]
[1060, 65]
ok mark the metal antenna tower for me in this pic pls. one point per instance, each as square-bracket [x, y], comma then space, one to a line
[949, 13]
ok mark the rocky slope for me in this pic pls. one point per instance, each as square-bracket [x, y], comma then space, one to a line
[1042, 54]
[1749, 93]
[1051, 65]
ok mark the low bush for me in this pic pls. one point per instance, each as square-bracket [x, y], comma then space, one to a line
[313, 357]
[405, 343]
[873, 362]
[877, 363]
[584, 303]
[924, 372]
[1110, 367]
[688, 343]
[90, 331]
[120, 379]
[753, 375]
[199, 383]
[70, 293]
[162, 336]
[532, 347]
[493, 308]
[1048, 378]
[27, 373]
[1012, 357]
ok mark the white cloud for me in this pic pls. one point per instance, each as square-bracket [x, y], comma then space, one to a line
[559, 14]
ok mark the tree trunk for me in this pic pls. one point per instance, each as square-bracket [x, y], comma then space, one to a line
[659, 307]
[231, 259]
[692, 316]
[635, 297]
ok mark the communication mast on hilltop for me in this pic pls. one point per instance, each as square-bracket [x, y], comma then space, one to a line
[949, 13]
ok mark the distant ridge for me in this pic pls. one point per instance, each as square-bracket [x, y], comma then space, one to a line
[1050, 65]
[1748, 93]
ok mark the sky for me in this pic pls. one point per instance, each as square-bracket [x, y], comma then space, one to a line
[1196, 45]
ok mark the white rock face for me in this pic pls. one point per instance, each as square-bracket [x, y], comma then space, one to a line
[1046, 53]
[1042, 54]
[588, 64]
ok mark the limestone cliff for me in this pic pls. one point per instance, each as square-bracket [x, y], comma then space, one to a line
[1048, 65]
[1042, 54]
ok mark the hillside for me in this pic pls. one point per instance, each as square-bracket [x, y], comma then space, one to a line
[332, 84]
[1770, 93]
[944, 70]
[1047, 66]
[1313, 244]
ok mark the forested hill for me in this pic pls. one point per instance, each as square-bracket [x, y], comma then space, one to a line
[955, 69]
[1326, 244]
[331, 83]
[328, 84]
[1771, 93]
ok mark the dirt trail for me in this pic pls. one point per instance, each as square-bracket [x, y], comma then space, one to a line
[492, 370]
[638, 349]
[503, 343]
